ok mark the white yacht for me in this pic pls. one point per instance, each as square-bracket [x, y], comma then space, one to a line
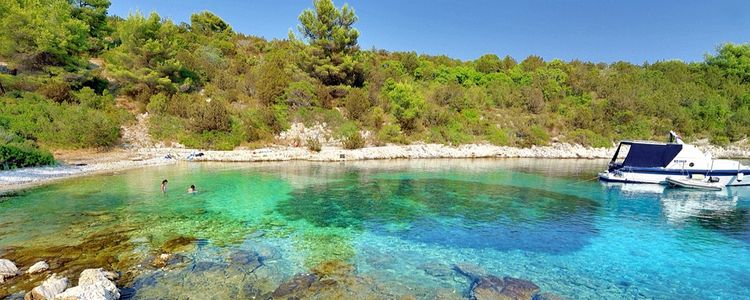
[652, 162]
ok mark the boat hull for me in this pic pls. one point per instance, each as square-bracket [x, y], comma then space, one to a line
[685, 182]
[659, 175]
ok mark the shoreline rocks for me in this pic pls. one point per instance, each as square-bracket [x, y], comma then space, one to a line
[93, 284]
[7, 269]
[50, 288]
[38, 267]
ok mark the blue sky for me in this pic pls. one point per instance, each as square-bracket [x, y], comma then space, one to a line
[591, 30]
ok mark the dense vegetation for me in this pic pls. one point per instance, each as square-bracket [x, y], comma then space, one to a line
[65, 62]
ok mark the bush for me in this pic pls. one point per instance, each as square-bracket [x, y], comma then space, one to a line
[534, 135]
[391, 133]
[88, 97]
[350, 136]
[588, 138]
[357, 103]
[499, 137]
[314, 145]
[157, 104]
[720, 140]
[210, 116]
[20, 155]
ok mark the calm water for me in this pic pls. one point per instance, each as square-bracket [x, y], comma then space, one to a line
[385, 230]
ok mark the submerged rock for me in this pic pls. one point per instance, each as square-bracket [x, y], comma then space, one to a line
[49, 289]
[93, 284]
[7, 269]
[491, 287]
[38, 267]
[469, 270]
[298, 283]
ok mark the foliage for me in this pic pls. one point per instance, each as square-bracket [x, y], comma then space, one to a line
[405, 102]
[351, 138]
[314, 145]
[257, 88]
[332, 40]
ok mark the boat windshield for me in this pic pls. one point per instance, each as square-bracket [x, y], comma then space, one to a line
[651, 155]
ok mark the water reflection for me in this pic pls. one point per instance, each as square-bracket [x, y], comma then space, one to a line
[719, 211]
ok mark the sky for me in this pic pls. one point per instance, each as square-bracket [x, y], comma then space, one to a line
[637, 31]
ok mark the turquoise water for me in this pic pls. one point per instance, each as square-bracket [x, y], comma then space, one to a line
[384, 230]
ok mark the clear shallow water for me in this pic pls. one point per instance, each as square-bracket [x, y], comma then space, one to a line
[385, 229]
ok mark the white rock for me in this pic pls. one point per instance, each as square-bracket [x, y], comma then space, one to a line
[49, 288]
[92, 285]
[40, 266]
[7, 268]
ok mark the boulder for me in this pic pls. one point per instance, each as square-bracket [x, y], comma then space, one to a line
[38, 267]
[488, 287]
[7, 268]
[519, 288]
[94, 284]
[49, 288]
[298, 283]
[508, 288]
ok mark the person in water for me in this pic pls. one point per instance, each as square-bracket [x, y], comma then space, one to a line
[191, 189]
[164, 186]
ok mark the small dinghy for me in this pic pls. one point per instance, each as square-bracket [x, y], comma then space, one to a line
[695, 182]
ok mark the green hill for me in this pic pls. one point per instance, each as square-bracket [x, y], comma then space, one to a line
[54, 96]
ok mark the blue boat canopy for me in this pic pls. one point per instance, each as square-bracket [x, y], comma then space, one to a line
[650, 155]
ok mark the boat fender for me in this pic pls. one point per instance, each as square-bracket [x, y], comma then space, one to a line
[740, 176]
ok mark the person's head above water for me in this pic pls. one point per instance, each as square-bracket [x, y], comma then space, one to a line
[192, 186]
[164, 181]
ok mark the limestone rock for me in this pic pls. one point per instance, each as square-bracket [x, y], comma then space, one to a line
[519, 289]
[49, 289]
[38, 267]
[7, 268]
[298, 283]
[92, 285]
[508, 288]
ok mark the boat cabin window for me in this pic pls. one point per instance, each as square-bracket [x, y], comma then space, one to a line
[620, 154]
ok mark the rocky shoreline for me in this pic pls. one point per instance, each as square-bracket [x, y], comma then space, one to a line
[158, 156]
[331, 279]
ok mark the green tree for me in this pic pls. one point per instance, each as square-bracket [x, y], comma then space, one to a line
[94, 14]
[332, 41]
[41, 33]
[488, 63]
[207, 23]
[734, 60]
[406, 103]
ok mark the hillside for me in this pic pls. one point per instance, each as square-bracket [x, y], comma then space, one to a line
[64, 63]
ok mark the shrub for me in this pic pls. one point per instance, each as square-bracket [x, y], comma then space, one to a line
[350, 136]
[210, 116]
[588, 138]
[300, 94]
[406, 104]
[533, 135]
[88, 97]
[357, 103]
[719, 140]
[314, 145]
[391, 133]
[20, 155]
[157, 104]
[498, 136]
